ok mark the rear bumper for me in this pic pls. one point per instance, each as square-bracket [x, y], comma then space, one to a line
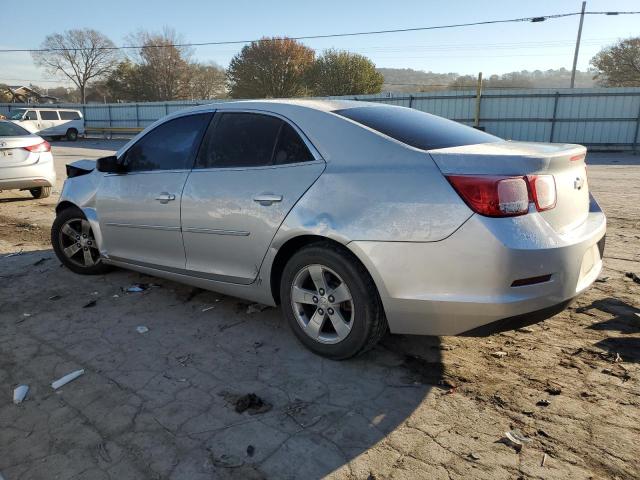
[465, 281]
[39, 174]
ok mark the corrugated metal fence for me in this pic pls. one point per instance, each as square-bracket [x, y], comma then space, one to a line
[597, 117]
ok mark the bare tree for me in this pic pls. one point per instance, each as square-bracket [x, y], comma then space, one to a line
[80, 55]
[163, 63]
[207, 81]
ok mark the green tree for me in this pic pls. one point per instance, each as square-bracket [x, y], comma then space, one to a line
[126, 83]
[619, 64]
[206, 81]
[338, 72]
[271, 68]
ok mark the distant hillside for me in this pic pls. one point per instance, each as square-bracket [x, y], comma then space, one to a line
[408, 80]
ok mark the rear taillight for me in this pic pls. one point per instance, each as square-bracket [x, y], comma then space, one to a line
[501, 196]
[39, 148]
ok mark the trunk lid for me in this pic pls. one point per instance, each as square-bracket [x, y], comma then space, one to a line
[566, 162]
[13, 153]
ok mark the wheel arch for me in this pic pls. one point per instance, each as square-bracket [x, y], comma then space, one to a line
[295, 244]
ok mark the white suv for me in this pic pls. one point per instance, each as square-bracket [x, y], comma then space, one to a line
[48, 122]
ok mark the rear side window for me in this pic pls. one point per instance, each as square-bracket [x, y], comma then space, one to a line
[31, 115]
[170, 146]
[49, 115]
[290, 147]
[69, 115]
[415, 128]
[8, 129]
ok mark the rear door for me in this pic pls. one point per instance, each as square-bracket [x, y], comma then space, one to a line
[139, 211]
[252, 168]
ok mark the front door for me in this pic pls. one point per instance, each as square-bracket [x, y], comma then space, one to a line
[30, 121]
[139, 210]
[251, 170]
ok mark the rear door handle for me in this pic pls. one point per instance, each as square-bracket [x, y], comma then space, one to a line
[266, 199]
[165, 197]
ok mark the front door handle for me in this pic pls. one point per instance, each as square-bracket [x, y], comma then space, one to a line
[165, 197]
[266, 199]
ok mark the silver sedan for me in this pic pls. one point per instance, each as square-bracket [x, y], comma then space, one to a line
[357, 218]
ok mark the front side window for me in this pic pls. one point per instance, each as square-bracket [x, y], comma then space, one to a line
[238, 139]
[170, 146]
[31, 115]
[49, 115]
[67, 115]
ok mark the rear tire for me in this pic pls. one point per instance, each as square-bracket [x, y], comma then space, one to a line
[72, 135]
[74, 244]
[40, 192]
[341, 320]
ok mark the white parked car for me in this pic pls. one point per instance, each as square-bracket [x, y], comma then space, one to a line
[50, 122]
[26, 162]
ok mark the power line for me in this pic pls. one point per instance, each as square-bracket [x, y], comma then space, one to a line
[331, 35]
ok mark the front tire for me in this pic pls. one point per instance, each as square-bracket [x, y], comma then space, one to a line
[74, 244]
[40, 192]
[330, 302]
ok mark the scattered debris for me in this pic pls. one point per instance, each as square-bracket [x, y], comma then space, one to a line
[553, 390]
[225, 461]
[543, 433]
[253, 403]
[516, 439]
[140, 287]
[53, 298]
[40, 262]
[66, 379]
[91, 304]
[543, 403]
[544, 459]
[602, 279]
[251, 450]
[618, 358]
[142, 329]
[20, 393]
[14, 254]
[256, 308]
[474, 456]
[624, 375]
[499, 354]
[257, 345]
[206, 309]
[632, 276]
[525, 330]
[184, 360]
[23, 318]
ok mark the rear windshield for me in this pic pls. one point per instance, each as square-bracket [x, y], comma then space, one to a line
[418, 129]
[8, 129]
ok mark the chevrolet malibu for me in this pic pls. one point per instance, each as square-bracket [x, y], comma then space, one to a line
[357, 218]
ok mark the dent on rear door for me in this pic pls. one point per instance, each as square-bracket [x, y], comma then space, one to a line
[226, 232]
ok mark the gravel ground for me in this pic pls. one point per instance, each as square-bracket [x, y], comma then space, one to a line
[164, 404]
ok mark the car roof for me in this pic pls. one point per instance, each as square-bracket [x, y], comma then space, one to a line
[276, 105]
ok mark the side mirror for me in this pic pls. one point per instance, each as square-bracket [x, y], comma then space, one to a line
[109, 165]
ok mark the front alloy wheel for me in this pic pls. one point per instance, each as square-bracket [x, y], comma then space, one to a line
[74, 243]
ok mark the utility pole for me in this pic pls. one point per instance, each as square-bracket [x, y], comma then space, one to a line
[476, 118]
[575, 55]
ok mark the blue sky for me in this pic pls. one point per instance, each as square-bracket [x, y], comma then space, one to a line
[490, 49]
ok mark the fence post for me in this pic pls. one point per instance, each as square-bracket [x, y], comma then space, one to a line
[635, 135]
[476, 120]
[137, 115]
[410, 101]
[553, 119]
[166, 108]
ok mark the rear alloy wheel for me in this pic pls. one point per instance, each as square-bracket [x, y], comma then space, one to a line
[72, 135]
[331, 302]
[40, 192]
[75, 246]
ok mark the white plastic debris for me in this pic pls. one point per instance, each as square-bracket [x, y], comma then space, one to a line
[142, 329]
[19, 393]
[135, 289]
[499, 354]
[517, 437]
[66, 379]
[206, 309]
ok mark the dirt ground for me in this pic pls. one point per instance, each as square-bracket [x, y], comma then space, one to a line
[163, 404]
